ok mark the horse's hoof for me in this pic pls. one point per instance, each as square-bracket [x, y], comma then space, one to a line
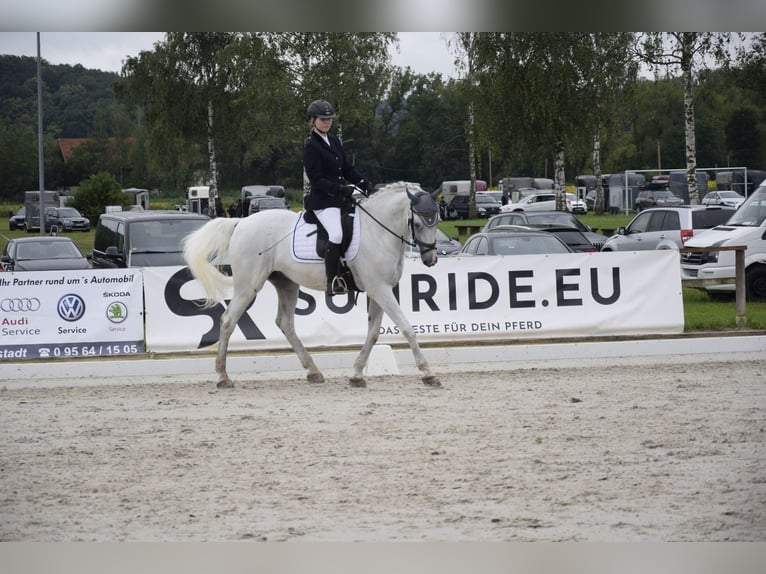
[316, 378]
[227, 384]
[357, 382]
[431, 381]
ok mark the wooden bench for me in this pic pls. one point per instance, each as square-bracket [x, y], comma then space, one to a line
[464, 230]
[739, 277]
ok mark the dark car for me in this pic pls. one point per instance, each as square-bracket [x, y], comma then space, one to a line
[42, 253]
[445, 245]
[16, 221]
[486, 206]
[65, 219]
[264, 202]
[574, 238]
[648, 198]
[514, 241]
[143, 238]
[546, 219]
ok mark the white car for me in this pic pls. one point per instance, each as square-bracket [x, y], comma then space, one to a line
[540, 201]
[723, 197]
[575, 204]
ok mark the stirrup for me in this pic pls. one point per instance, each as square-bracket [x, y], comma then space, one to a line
[337, 286]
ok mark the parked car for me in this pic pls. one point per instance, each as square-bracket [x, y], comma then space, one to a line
[65, 219]
[540, 201]
[746, 227]
[723, 197]
[513, 241]
[543, 219]
[42, 253]
[263, 202]
[575, 204]
[16, 221]
[486, 206]
[150, 238]
[574, 238]
[666, 227]
[445, 246]
[648, 198]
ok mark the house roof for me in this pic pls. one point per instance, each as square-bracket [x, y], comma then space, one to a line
[68, 145]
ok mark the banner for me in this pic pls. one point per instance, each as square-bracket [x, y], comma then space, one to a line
[86, 313]
[461, 299]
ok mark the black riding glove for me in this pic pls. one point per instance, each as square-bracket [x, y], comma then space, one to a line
[346, 191]
[366, 186]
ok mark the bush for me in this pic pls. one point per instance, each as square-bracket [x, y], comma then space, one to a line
[95, 193]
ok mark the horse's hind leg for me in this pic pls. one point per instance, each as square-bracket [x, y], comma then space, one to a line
[237, 306]
[287, 292]
[374, 318]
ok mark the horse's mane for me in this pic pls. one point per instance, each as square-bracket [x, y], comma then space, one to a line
[392, 188]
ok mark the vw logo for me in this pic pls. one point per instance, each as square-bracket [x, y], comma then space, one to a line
[20, 304]
[71, 307]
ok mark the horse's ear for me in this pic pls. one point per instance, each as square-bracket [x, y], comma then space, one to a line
[409, 194]
[435, 193]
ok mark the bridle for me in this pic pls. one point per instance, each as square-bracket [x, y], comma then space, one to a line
[429, 215]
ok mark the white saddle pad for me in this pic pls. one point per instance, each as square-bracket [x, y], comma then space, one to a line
[305, 241]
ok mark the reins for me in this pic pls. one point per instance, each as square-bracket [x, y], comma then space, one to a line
[415, 243]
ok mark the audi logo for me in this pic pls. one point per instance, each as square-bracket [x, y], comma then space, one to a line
[18, 304]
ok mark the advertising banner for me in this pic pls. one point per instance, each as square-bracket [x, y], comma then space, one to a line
[460, 299]
[51, 314]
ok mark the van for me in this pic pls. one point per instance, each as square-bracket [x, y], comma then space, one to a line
[143, 238]
[450, 189]
[677, 184]
[32, 207]
[746, 227]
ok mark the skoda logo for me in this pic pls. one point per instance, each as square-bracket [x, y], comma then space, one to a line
[71, 307]
[18, 304]
[117, 312]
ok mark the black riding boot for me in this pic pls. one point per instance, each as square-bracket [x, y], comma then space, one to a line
[335, 284]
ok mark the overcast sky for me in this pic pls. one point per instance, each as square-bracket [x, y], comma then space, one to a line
[424, 52]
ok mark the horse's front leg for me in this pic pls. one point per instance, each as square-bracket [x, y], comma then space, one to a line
[374, 318]
[287, 293]
[389, 305]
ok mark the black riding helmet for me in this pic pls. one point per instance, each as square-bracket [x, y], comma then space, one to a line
[320, 109]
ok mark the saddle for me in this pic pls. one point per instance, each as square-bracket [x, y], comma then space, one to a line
[347, 217]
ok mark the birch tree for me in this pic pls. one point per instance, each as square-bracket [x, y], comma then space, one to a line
[181, 84]
[685, 51]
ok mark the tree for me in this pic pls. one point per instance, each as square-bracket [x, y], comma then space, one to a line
[685, 51]
[181, 84]
[95, 193]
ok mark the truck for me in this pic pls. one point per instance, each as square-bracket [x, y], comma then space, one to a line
[745, 228]
[32, 207]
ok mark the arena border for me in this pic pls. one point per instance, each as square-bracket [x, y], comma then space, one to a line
[387, 360]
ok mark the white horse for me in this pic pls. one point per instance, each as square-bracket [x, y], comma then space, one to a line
[259, 248]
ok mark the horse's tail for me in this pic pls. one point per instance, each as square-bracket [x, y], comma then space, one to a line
[204, 250]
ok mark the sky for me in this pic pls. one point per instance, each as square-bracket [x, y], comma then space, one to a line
[424, 52]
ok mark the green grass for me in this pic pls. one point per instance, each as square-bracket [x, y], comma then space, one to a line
[701, 313]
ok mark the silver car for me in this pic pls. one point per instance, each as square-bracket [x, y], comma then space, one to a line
[666, 227]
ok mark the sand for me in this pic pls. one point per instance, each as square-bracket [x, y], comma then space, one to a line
[608, 453]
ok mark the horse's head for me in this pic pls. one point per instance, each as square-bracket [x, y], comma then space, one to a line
[423, 219]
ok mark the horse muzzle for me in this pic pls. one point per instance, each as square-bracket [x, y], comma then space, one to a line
[429, 257]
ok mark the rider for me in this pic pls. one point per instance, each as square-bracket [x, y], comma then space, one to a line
[327, 170]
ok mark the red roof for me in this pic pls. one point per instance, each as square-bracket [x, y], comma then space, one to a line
[68, 145]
